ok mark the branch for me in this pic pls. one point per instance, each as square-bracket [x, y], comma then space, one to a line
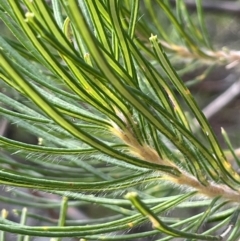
[225, 98]
[148, 154]
[230, 58]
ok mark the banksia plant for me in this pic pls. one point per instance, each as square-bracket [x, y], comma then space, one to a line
[97, 83]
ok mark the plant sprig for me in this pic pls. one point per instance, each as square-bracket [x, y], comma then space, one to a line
[109, 110]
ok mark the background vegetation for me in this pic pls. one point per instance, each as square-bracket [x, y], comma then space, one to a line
[111, 120]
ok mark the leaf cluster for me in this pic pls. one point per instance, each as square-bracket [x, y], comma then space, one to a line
[94, 81]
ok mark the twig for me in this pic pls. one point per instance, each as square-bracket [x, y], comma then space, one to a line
[230, 58]
[148, 154]
[225, 98]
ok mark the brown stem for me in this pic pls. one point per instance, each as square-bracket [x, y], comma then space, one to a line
[211, 190]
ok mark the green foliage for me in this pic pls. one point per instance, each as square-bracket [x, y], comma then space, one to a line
[94, 81]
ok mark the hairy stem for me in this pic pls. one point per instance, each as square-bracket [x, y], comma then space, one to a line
[147, 153]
